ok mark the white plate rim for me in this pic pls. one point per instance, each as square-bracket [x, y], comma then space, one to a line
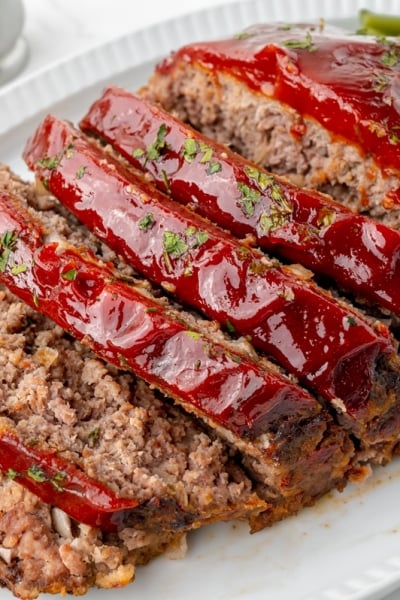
[39, 91]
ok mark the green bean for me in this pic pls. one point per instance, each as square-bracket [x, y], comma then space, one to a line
[379, 23]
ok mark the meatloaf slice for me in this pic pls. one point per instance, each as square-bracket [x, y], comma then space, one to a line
[43, 551]
[310, 102]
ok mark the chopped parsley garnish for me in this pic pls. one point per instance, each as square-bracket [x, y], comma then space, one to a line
[189, 150]
[37, 474]
[70, 275]
[351, 321]
[195, 335]
[235, 358]
[69, 150]
[138, 153]
[263, 180]
[245, 35]
[192, 149]
[18, 269]
[94, 437]
[80, 172]
[174, 244]
[156, 148]
[8, 243]
[273, 220]
[326, 217]
[146, 222]
[214, 167]
[249, 199]
[12, 474]
[202, 237]
[48, 162]
[306, 44]
[207, 153]
[55, 481]
[230, 327]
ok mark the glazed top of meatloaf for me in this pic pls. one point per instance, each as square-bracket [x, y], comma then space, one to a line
[349, 83]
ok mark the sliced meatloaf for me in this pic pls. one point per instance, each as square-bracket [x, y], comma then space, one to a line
[310, 102]
[292, 461]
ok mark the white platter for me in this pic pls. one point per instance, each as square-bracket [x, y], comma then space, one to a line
[348, 546]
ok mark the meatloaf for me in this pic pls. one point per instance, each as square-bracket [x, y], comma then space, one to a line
[305, 331]
[294, 454]
[56, 394]
[311, 102]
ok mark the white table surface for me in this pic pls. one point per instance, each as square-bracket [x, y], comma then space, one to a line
[58, 29]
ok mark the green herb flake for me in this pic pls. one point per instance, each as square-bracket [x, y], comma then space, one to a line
[245, 35]
[189, 150]
[351, 321]
[197, 365]
[306, 44]
[242, 252]
[156, 148]
[94, 437]
[146, 222]
[174, 244]
[12, 474]
[37, 474]
[390, 59]
[207, 153]
[56, 481]
[48, 162]
[229, 326]
[249, 199]
[214, 167]
[234, 358]
[326, 217]
[69, 150]
[272, 221]
[191, 230]
[70, 275]
[8, 243]
[18, 269]
[394, 137]
[380, 82]
[138, 153]
[195, 335]
[80, 172]
[201, 237]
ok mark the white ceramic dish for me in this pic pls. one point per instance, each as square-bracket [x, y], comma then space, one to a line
[348, 546]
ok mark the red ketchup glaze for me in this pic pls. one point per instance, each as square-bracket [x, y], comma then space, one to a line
[61, 483]
[360, 254]
[132, 331]
[350, 84]
[325, 344]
